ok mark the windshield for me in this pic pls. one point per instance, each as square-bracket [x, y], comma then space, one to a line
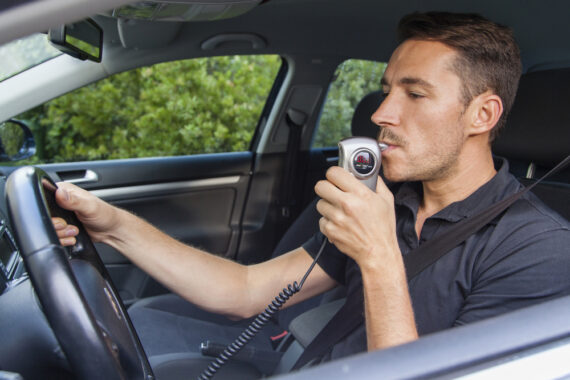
[23, 53]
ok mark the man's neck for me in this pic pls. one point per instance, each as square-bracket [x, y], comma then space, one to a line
[469, 174]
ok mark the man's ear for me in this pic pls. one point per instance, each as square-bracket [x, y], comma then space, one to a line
[486, 110]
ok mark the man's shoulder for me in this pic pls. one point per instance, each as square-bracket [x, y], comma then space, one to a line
[528, 234]
[532, 211]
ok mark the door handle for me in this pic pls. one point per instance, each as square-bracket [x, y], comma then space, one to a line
[78, 176]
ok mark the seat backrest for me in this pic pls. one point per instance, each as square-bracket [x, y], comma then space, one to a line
[537, 134]
[361, 123]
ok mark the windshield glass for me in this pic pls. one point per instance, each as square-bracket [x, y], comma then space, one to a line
[23, 53]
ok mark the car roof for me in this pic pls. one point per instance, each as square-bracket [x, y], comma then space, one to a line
[358, 29]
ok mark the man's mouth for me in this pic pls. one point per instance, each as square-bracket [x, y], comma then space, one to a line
[389, 140]
[386, 146]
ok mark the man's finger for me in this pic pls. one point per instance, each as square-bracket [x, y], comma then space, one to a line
[328, 191]
[58, 223]
[68, 242]
[324, 208]
[344, 180]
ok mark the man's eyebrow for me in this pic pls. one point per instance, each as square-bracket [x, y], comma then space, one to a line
[409, 81]
[418, 81]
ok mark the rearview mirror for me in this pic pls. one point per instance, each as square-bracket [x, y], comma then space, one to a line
[82, 40]
[16, 141]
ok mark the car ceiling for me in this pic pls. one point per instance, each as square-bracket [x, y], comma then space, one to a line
[365, 29]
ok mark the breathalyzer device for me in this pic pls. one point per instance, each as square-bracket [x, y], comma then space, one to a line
[361, 157]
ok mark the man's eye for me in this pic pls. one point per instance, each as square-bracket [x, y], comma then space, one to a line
[415, 95]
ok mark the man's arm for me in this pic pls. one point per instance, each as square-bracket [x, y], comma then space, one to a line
[211, 282]
[362, 224]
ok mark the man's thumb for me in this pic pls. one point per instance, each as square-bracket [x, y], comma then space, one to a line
[64, 198]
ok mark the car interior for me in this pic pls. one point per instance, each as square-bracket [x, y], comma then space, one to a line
[89, 313]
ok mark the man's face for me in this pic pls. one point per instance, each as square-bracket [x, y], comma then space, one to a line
[421, 118]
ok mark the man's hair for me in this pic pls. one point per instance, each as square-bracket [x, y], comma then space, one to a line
[488, 56]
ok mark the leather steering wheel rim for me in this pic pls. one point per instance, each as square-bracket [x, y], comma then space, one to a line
[72, 285]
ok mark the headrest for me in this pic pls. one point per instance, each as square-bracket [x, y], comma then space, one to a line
[361, 123]
[538, 128]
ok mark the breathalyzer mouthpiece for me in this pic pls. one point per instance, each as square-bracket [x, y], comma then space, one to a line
[382, 146]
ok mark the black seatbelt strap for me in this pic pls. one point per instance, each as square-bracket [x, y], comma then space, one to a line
[295, 120]
[433, 249]
[351, 315]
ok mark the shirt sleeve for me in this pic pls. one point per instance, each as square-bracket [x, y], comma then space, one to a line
[524, 272]
[332, 261]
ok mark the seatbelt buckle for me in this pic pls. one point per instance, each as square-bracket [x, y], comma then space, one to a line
[277, 339]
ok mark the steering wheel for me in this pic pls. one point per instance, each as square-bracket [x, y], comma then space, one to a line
[74, 289]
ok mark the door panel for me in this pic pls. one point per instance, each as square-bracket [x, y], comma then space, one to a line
[197, 199]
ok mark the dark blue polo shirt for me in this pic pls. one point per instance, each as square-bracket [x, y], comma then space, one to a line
[520, 258]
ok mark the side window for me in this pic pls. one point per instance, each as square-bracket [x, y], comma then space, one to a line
[205, 105]
[353, 80]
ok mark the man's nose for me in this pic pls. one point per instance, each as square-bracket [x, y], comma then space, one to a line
[387, 112]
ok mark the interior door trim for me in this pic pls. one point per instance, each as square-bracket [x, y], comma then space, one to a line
[128, 192]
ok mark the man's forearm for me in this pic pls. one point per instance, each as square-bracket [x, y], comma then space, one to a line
[212, 282]
[388, 308]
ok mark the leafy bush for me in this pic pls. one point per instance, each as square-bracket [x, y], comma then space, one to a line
[177, 108]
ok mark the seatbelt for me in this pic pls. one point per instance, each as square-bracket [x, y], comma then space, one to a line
[351, 315]
[295, 120]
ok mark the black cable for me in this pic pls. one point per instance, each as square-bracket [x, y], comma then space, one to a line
[258, 323]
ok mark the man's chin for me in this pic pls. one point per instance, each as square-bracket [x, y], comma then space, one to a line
[392, 176]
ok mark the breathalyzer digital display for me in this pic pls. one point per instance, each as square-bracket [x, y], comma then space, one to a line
[363, 161]
[361, 157]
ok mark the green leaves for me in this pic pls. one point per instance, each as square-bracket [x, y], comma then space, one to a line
[202, 105]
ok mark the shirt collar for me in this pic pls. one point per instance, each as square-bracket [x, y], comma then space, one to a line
[500, 186]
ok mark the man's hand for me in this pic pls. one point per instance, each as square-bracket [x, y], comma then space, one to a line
[360, 222]
[97, 216]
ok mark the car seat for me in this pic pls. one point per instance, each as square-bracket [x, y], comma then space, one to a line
[167, 325]
[537, 135]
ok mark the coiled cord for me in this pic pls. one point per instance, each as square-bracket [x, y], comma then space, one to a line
[258, 323]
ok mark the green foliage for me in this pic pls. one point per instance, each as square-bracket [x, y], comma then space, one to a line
[178, 108]
[11, 138]
[354, 79]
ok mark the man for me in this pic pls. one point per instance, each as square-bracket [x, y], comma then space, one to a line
[448, 87]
